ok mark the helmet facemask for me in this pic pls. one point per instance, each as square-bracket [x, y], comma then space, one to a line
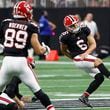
[72, 24]
[73, 28]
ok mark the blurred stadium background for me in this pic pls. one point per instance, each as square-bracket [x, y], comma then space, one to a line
[60, 79]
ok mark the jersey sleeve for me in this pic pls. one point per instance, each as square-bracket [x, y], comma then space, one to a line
[1, 32]
[33, 28]
[63, 38]
[87, 31]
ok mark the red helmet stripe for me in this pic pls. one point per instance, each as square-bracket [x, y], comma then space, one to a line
[15, 8]
[23, 9]
[71, 17]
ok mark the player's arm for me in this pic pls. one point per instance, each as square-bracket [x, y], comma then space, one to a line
[92, 46]
[65, 51]
[53, 26]
[97, 35]
[38, 48]
[91, 43]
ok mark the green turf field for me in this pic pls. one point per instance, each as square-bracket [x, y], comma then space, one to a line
[64, 81]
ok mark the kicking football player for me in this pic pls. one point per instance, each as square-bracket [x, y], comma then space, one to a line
[18, 33]
[77, 43]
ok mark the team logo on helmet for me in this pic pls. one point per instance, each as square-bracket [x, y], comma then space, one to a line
[22, 9]
[71, 23]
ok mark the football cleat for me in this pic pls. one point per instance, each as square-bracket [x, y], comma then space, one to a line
[85, 101]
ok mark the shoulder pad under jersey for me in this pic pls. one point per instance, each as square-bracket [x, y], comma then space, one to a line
[7, 20]
[63, 34]
[34, 24]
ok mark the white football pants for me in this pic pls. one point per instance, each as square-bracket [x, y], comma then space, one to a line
[87, 64]
[18, 66]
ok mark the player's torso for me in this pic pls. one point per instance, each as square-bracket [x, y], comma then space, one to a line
[17, 36]
[77, 43]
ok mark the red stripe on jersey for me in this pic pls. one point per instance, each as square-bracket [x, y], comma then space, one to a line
[5, 100]
[32, 71]
[86, 59]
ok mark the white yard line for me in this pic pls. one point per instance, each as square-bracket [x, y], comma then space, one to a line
[61, 62]
[58, 62]
[77, 95]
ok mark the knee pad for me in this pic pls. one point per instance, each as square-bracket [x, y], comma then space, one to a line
[99, 77]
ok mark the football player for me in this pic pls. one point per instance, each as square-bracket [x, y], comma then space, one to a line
[12, 89]
[77, 43]
[17, 34]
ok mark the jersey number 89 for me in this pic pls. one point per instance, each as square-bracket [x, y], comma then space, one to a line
[15, 38]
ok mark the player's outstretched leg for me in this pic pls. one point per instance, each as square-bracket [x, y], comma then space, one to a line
[99, 78]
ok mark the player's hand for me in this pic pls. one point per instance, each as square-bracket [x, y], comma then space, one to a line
[31, 61]
[83, 56]
[20, 103]
[47, 49]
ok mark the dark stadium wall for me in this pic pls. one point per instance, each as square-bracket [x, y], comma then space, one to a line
[101, 16]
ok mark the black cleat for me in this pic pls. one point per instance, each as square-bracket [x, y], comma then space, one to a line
[85, 101]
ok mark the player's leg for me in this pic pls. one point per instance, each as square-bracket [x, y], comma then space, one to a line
[98, 80]
[12, 88]
[28, 77]
[5, 101]
[5, 78]
[99, 64]
[88, 66]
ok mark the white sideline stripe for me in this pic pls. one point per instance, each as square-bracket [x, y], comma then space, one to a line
[58, 62]
[61, 62]
[51, 75]
[77, 95]
[66, 86]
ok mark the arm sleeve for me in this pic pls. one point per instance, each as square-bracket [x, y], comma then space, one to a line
[87, 31]
[34, 28]
[62, 39]
[1, 33]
